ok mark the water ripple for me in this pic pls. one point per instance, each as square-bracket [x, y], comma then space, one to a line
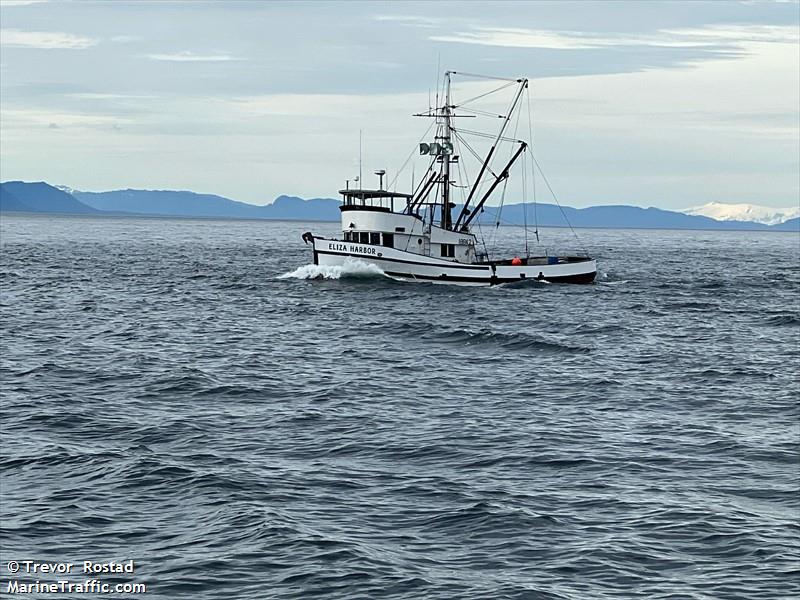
[195, 396]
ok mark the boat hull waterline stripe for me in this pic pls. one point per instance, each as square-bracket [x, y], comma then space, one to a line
[487, 276]
[582, 278]
[433, 263]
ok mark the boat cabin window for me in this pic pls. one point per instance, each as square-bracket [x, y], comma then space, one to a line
[374, 200]
[347, 236]
[375, 238]
[388, 240]
[399, 229]
[364, 237]
[448, 250]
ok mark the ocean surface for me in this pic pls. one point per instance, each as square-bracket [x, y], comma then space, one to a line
[196, 397]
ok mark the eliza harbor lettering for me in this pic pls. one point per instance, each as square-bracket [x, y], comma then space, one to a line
[352, 249]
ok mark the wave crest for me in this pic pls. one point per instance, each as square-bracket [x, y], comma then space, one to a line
[351, 269]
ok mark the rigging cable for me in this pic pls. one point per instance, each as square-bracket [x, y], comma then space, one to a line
[487, 135]
[479, 185]
[498, 216]
[414, 149]
[524, 204]
[475, 154]
[422, 182]
[505, 182]
[505, 187]
[533, 169]
[482, 113]
[510, 79]
[462, 166]
[561, 208]
[502, 87]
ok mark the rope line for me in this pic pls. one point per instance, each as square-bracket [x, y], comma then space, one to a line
[502, 87]
[413, 150]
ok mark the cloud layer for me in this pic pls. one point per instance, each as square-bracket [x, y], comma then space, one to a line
[650, 103]
[187, 56]
[665, 38]
[44, 40]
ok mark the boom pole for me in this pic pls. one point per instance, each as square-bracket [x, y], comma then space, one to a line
[503, 175]
[465, 211]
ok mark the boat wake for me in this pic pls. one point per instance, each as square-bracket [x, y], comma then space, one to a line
[351, 269]
[604, 279]
[614, 282]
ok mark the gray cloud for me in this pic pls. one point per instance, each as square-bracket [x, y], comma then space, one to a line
[712, 36]
[187, 56]
[45, 40]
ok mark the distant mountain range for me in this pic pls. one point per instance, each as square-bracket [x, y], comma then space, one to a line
[190, 204]
[612, 216]
[40, 197]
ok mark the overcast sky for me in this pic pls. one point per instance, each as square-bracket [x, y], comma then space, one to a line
[663, 104]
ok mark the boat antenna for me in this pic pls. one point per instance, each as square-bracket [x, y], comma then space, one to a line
[359, 158]
[438, 75]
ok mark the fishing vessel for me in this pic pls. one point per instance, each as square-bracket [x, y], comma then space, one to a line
[424, 235]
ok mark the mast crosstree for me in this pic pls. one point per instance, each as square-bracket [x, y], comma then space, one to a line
[442, 149]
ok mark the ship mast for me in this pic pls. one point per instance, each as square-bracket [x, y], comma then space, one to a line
[447, 219]
[442, 151]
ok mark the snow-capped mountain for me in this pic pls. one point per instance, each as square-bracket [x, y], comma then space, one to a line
[65, 188]
[768, 215]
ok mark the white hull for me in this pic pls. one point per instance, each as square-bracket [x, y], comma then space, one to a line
[406, 265]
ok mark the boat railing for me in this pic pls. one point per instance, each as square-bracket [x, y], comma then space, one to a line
[379, 200]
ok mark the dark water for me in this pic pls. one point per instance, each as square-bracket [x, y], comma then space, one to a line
[169, 398]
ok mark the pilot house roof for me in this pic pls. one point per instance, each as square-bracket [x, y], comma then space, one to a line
[371, 194]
